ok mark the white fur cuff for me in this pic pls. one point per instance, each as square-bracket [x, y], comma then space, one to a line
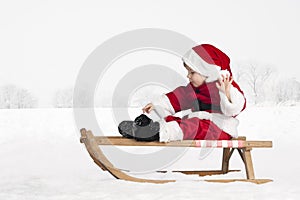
[235, 106]
[163, 106]
[169, 131]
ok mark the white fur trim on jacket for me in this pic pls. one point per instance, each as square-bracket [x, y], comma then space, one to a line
[169, 131]
[163, 107]
[225, 123]
[235, 106]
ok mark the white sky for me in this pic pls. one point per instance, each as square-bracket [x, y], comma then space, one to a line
[44, 43]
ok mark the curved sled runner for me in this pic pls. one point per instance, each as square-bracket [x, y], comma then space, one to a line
[240, 144]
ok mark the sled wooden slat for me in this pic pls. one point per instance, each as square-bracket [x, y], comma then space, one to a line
[257, 181]
[121, 141]
[204, 172]
[243, 146]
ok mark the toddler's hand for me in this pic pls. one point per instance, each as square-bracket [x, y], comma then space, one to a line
[224, 85]
[148, 108]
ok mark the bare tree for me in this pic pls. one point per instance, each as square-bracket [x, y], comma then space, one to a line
[13, 97]
[239, 75]
[83, 97]
[255, 78]
[63, 98]
[287, 90]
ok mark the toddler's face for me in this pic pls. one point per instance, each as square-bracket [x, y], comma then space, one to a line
[195, 78]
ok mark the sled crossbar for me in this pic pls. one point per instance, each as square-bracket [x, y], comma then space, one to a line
[240, 144]
[236, 143]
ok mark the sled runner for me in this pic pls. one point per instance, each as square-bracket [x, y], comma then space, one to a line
[240, 144]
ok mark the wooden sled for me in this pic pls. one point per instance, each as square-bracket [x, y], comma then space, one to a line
[240, 144]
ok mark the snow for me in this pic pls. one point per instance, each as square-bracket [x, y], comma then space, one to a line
[41, 158]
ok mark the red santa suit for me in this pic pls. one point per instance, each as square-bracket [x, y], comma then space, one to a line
[212, 114]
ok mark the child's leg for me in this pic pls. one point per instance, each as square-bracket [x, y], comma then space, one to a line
[200, 129]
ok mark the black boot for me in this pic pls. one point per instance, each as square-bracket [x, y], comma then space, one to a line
[142, 120]
[141, 129]
[146, 133]
[126, 129]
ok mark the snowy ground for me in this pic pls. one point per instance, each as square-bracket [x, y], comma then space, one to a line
[41, 158]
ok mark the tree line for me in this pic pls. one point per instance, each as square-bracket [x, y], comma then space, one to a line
[14, 97]
[260, 84]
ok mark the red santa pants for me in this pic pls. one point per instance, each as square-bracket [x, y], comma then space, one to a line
[199, 129]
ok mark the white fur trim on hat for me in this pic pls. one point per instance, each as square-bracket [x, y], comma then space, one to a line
[194, 61]
[224, 73]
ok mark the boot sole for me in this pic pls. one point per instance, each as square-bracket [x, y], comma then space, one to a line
[126, 129]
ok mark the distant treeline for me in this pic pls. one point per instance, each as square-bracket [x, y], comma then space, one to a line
[260, 84]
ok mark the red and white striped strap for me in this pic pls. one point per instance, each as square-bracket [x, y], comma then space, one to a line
[219, 143]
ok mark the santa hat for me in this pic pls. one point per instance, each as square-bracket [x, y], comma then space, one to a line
[208, 60]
